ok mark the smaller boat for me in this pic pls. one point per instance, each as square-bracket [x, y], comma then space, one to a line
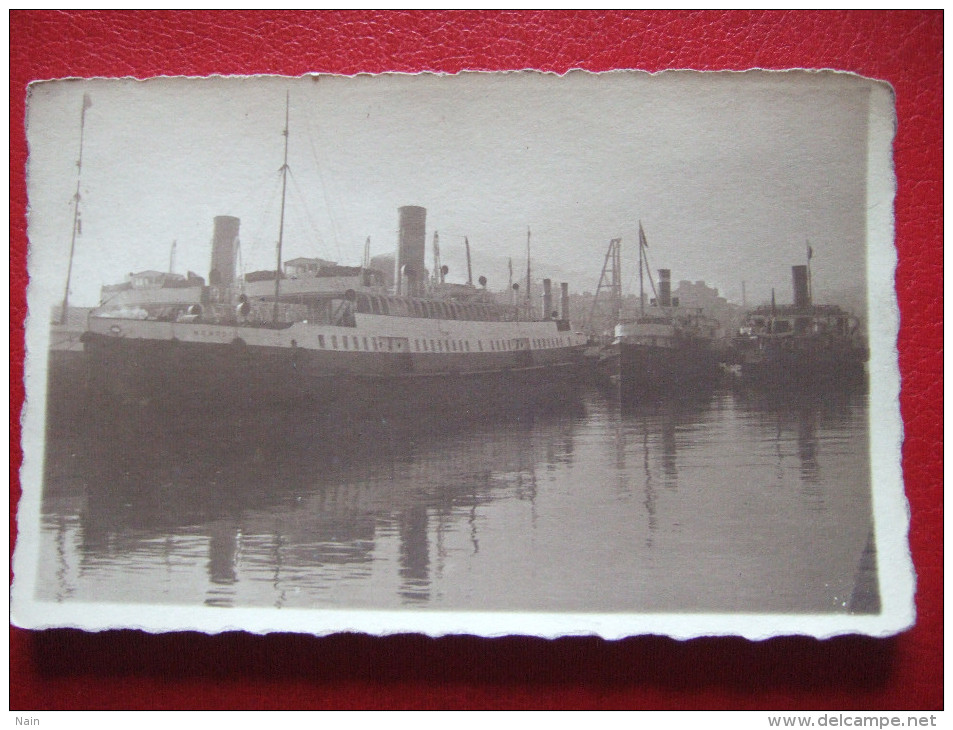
[803, 344]
[667, 349]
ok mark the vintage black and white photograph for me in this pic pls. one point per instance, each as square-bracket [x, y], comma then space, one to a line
[482, 353]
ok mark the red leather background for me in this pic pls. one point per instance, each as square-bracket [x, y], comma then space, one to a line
[71, 669]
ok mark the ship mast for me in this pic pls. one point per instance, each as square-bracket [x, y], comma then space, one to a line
[810, 287]
[466, 242]
[529, 300]
[644, 255]
[87, 103]
[617, 281]
[281, 224]
[642, 243]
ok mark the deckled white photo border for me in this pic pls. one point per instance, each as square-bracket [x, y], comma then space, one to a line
[890, 508]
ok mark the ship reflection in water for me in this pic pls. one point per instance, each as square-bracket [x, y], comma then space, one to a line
[737, 503]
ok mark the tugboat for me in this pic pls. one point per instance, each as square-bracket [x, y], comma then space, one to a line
[666, 350]
[801, 345]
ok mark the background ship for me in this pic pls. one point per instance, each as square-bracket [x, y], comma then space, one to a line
[803, 344]
[665, 350]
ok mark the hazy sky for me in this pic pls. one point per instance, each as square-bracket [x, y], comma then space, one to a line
[730, 174]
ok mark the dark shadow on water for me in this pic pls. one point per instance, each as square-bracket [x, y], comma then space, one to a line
[319, 485]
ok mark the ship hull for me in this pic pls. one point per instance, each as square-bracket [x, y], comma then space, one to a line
[67, 378]
[818, 368]
[177, 375]
[650, 372]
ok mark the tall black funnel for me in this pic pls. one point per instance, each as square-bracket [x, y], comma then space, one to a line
[224, 251]
[411, 249]
[802, 295]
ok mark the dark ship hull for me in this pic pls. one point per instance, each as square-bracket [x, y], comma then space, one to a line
[807, 363]
[646, 372]
[177, 375]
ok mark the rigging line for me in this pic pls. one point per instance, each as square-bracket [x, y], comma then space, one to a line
[324, 189]
[307, 213]
[258, 242]
[257, 198]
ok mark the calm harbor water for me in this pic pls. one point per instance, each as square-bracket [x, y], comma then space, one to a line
[739, 502]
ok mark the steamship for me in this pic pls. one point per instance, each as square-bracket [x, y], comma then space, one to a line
[338, 339]
[665, 350]
[803, 344]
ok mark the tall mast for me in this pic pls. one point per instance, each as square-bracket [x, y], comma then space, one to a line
[641, 265]
[617, 279]
[367, 253]
[644, 254]
[281, 224]
[529, 300]
[466, 242]
[87, 103]
[810, 287]
[172, 259]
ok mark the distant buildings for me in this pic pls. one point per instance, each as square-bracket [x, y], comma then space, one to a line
[698, 295]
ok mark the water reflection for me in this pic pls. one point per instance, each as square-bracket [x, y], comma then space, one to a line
[650, 434]
[810, 418]
[737, 501]
[288, 495]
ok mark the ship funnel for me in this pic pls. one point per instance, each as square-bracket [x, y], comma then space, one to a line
[224, 251]
[802, 295]
[411, 250]
[547, 298]
[564, 290]
[665, 287]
